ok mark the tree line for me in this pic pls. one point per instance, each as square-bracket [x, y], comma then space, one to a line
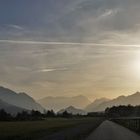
[33, 115]
[123, 111]
[112, 112]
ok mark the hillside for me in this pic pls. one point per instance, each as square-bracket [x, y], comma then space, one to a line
[73, 111]
[10, 108]
[133, 99]
[57, 103]
[21, 100]
[95, 104]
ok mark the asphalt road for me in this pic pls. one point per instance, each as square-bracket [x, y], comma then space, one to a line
[112, 131]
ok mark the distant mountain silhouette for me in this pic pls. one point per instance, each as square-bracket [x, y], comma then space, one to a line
[10, 108]
[95, 104]
[57, 103]
[21, 100]
[73, 111]
[133, 99]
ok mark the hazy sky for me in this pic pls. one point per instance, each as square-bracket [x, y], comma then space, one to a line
[70, 47]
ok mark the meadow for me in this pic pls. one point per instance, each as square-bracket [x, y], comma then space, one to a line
[51, 128]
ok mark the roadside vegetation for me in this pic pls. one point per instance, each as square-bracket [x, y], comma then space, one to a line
[127, 116]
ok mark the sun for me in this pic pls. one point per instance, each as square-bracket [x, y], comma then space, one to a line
[135, 67]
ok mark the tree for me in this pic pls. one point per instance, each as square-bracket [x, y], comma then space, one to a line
[50, 113]
[123, 111]
[66, 114]
[4, 116]
[24, 115]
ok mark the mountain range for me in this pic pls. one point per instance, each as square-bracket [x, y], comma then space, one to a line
[95, 104]
[10, 100]
[73, 110]
[133, 99]
[14, 102]
[57, 103]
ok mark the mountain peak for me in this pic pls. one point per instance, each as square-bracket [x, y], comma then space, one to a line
[59, 102]
[121, 97]
[73, 110]
[137, 93]
[71, 107]
[6, 91]
[96, 102]
[101, 99]
[80, 97]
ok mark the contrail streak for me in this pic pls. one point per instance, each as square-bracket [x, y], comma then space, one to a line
[66, 43]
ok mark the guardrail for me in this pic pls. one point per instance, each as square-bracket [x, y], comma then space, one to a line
[131, 123]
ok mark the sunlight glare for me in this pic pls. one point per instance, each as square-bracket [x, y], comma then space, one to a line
[136, 67]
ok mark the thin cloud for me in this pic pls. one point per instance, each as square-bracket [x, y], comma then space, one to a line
[47, 70]
[14, 26]
[108, 12]
[66, 43]
[51, 70]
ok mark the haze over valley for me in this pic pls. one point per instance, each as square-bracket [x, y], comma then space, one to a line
[14, 102]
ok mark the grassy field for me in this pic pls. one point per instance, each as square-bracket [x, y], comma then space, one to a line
[34, 130]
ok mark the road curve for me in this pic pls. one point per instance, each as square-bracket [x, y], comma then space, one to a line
[112, 131]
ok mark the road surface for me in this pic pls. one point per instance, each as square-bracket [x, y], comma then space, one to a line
[112, 131]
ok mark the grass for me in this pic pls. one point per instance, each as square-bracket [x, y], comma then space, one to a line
[34, 130]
